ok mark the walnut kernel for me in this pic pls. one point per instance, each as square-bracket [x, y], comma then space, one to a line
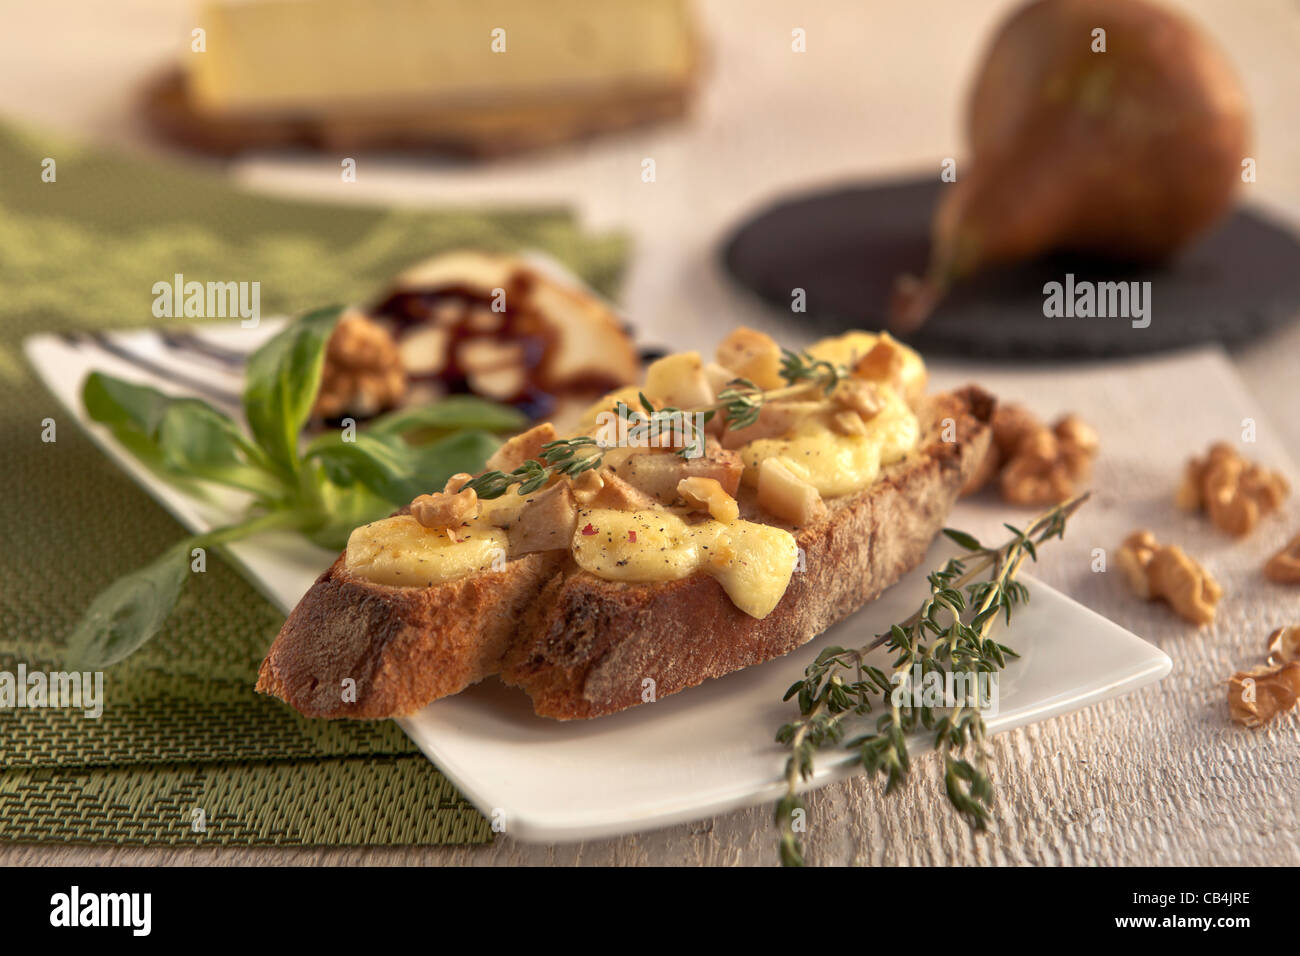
[1284, 646]
[1167, 573]
[449, 508]
[363, 372]
[1257, 696]
[707, 494]
[1234, 492]
[1036, 464]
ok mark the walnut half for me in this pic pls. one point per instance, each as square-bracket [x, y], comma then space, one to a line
[450, 508]
[1165, 572]
[1234, 492]
[363, 373]
[1257, 696]
[1036, 464]
[1284, 646]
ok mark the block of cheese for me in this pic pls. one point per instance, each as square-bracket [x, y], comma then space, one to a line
[267, 58]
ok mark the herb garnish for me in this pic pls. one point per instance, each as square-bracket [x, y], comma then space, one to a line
[840, 683]
[739, 402]
[324, 489]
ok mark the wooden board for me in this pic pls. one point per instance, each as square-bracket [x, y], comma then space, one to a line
[481, 131]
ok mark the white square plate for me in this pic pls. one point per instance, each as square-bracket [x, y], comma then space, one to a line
[692, 755]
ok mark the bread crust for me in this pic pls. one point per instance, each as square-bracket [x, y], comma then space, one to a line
[582, 646]
[402, 647]
[590, 644]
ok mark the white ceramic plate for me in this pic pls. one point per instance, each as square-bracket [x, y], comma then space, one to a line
[692, 755]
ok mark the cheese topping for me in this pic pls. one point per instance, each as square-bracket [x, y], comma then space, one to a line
[837, 464]
[753, 562]
[404, 553]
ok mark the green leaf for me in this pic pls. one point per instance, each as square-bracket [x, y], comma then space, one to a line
[114, 402]
[967, 541]
[385, 466]
[182, 437]
[282, 379]
[396, 471]
[345, 509]
[129, 611]
[454, 412]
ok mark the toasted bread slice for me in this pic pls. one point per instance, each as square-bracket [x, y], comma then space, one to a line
[582, 646]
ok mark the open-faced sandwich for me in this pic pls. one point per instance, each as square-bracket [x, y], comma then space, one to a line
[719, 516]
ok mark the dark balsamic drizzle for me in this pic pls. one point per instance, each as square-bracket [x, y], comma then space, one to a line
[458, 310]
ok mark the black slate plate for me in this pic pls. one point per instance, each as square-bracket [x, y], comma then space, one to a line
[844, 247]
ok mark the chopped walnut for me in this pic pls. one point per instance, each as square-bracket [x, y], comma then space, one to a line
[1010, 424]
[1036, 464]
[1078, 444]
[860, 397]
[1036, 473]
[1284, 567]
[363, 372]
[1157, 572]
[450, 508]
[884, 363]
[707, 494]
[1284, 645]
[1257, 696]
[1234, 492]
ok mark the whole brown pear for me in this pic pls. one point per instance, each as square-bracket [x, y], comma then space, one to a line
[1126, 153]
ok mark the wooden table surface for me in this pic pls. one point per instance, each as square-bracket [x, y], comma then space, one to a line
[1158, 777]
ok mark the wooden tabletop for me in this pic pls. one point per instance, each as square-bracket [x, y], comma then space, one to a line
[1158, 777]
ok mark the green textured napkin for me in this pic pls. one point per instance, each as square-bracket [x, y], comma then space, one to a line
[183, 738]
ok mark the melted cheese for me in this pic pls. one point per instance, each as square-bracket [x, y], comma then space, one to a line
[846, 349]
[752, 562]
[834, 463]
[400, 551]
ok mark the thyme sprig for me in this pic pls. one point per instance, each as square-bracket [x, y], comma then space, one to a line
[948, 633]
[739, 403]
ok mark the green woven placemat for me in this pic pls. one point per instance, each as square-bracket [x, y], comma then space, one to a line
[182, 732]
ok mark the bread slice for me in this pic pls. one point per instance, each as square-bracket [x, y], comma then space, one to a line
[582, 646]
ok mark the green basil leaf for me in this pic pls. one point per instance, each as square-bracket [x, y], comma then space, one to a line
[181, 437]
[463, 452]
[129, 612]
[386, 465]
[114, 402]
[346, 508]
[397, 471]
[282, 378]
[453, 412]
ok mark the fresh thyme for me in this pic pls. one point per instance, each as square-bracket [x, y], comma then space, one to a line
[739, 402]
[948, 633]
